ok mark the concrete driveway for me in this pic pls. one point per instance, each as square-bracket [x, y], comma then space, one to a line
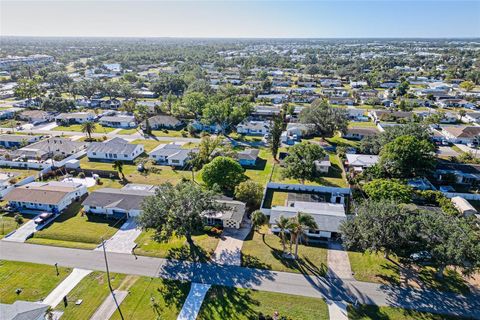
[229, 248]
[446, 152]
[124, 240]
[27, 230]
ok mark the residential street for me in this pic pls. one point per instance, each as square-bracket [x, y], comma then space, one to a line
[305, 285]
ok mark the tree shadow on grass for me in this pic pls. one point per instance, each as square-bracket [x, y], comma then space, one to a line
[451, 281]
[189, 252]
[173, 292]
[228, 303]
[254, 262]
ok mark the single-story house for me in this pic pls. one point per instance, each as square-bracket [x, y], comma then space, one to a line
[296, 131]
[467, 174]
[248, 157]
[360, 161]
[16, 141]
[461, 134]
[35, 116]
[359, 133]
[52, 196]
[9, 113]
[171, 154]
[389, 115]
[118, 121]
[230, 217]
[23, 310]
[212, 128]
[341, 101]
[254, 127]
[328, 216]
[323, 165]
[163, 122]
[113, 150]
[75, 117]
[471, 117]
[54, 147]
[119, 203]
[265, 112]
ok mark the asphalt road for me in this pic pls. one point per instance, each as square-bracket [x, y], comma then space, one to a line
[282, 282]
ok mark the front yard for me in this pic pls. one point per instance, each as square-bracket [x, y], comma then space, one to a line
[264, 251]
[8, 224]
[224, 303]
[78, 128]
[34, 280]
[371, 267]
[92, 290]
[71, 229]
[176, 248]
[368, 312]
[168, 298]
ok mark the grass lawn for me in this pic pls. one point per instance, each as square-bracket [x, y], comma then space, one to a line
[339, 141]
[457, 149]
[265, 251]
[93, 290]
[8, 224]
[367, 312]
[35, 280]
[168, 294]
[372, 267]
[129, 131]
[78, 128]
[362, 124]
[176, 248]
[334, 178]
[72, 230]
[170, 133]
[224, 303]
[261, 173]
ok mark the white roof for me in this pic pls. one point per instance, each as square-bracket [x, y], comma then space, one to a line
[361, 160]
[328, 216]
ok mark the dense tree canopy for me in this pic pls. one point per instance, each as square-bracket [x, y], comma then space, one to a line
[300, 161]
[383, 189]
[325, 119]
[223, 172]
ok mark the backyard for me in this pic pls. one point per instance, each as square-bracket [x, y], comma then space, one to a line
[176, 248]
[224, 303]
[34, 280]
[72, 229]
[263, 250]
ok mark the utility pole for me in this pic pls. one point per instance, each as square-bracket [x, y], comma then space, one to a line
[109, 283]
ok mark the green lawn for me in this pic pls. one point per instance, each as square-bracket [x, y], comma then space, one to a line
[71, 229]
[170, 133]
[78, 128]
[8, 224]
[339, 141]
[176, 248]
[362, 124]
[92, 290]
[261, 173]
[373, 267]
[35, 280]
[224, 303]
[129, 131]
[261, 250]
[169, 295]
[368, 312]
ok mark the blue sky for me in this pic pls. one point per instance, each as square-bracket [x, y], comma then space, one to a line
[381, 18]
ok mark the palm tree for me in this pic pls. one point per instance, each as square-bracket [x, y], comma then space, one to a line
[462, 113]
[88, 127]
[118, 165]
[283, 223]
[258, 218]
[299, 225]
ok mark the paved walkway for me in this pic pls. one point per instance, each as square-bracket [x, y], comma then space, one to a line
[337, 310]
[229, 248]
[109, 305]
[123, 241]
[67, 285]
[194, 301]
[334, 289]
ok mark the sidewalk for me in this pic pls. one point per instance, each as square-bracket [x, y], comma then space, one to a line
[67, 285]
[194, 301]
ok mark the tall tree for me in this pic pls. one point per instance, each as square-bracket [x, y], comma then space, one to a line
[275, 134]
[300, 161]
[283, 224]
[223, 172]
[226, 113]
[118, 165]
[258, 219]
[387, 189]
[177, 210]
[407, 157]
[249, 192]
[325, 119]
[28, 88]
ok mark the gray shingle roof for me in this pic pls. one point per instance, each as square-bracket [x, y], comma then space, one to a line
[115, 146]
[125, 199]
[22, 310]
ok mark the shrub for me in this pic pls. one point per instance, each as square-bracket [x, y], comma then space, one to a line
[81, 175]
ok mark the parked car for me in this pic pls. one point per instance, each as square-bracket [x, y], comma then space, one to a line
[421, 256]
[43, 217]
